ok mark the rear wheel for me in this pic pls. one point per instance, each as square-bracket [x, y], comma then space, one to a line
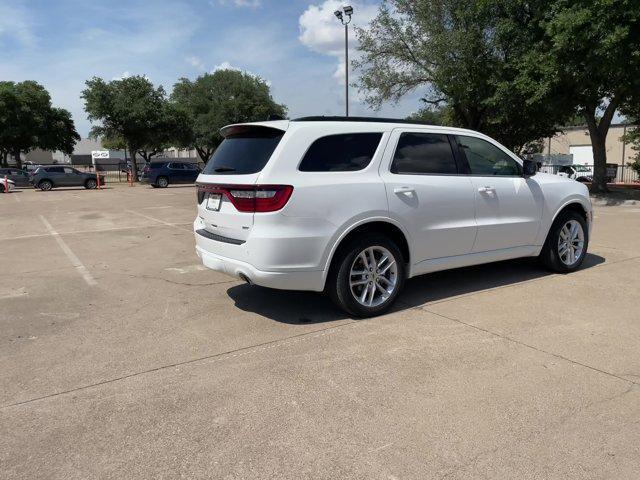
[566, 244]
[90, 184]
[162, 182]
[45, 185]
[366, 276]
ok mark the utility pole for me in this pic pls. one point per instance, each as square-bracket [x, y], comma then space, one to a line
[345, 19]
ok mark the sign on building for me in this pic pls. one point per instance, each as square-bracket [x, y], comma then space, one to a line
[99, 154]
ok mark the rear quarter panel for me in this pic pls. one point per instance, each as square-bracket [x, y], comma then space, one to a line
[324, 206]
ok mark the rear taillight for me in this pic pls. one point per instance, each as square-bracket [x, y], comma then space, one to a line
[251, 198]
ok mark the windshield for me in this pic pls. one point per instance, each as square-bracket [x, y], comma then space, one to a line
[243, 153]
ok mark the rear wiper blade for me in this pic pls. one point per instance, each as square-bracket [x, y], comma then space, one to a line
[224, 169]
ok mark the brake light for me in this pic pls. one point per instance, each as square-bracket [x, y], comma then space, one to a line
[251, 198]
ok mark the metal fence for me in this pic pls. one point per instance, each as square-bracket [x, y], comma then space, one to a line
[622, 173]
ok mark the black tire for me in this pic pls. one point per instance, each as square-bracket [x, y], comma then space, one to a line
[338, 282]
[45, 185]
[550, 255]
[90, 184]
[162, 182]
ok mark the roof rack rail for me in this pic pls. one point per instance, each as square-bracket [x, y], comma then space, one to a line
[359, 119]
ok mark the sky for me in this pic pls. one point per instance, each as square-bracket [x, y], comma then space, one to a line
[295, 45]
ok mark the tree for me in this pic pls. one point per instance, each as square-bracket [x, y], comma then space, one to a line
[589, 52]
[131, 112]
[466, 56]
[28, 121]
[217, 99]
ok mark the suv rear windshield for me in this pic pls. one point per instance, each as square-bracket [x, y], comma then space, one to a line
[243, 153]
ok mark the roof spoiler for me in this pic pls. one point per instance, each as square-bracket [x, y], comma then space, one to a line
[253, 129]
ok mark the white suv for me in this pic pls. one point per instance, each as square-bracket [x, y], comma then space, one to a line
[354, 206]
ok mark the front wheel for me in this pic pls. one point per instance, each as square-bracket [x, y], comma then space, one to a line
[45, 185]
[367, 276]
[90, 184]
[162, 182]
[566, 244]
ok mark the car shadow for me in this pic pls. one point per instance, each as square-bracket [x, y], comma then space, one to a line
[299, 308]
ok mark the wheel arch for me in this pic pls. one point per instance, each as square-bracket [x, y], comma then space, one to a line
[576, 205]
[385, 226]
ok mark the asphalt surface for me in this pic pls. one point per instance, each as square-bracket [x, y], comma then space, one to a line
[121, 357]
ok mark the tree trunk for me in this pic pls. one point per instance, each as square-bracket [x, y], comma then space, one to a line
[134, 163]
[598, 134]
[204, 154]
[16, 155]
[3, 161]
[599, 163]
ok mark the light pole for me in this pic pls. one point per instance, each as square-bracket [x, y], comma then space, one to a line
[345, 19]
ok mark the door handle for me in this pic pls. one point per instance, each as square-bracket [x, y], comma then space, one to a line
[487, 189]
[403, 190]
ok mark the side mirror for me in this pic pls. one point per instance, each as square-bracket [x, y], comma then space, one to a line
[529, 168]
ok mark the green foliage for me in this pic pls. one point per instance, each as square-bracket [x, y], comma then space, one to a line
[28, 121]
[589, 53]
[466, 56]
[217, 99]
[132, 112]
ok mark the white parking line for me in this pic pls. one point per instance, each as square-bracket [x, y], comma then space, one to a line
[92, 230]
[75, 261]
[160, 221]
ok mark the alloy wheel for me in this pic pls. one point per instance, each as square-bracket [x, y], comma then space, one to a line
[571, 242]
[373, 277]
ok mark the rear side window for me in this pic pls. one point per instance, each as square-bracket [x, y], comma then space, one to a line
[487, 159]
[424, 153]
[243, 153]
[154, 166]
[340, 153]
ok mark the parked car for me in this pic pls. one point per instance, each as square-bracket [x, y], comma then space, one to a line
[19, 177]
[581, 173]
[10, 184]
[163, 173]
[46, 178]
[584, 173]
[353, 207]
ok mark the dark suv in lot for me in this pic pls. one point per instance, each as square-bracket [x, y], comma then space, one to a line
[162, 173]
[19, 177]
[46, 178]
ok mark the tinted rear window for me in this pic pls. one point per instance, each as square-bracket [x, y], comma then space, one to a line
[243, 153]
[154, 166]
[341, 153]
[424, 153]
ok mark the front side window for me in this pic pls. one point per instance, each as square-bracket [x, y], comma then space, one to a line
[424, 153]
[487, 159]
[55, 170]
[341, 153]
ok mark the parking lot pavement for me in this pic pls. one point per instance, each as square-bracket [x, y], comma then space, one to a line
[123, 358]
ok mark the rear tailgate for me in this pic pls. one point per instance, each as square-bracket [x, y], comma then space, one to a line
[228, 179]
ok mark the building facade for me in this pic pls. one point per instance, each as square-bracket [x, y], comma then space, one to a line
[575, 141]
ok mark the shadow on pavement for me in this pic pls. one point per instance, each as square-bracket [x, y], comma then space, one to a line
[298, 308]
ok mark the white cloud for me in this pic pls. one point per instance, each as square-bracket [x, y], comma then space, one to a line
[323, 33]
[122, 76]
[224, 66]
[196, 62]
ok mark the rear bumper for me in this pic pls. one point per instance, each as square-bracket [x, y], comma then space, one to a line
[240, 259]
[294, 280]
